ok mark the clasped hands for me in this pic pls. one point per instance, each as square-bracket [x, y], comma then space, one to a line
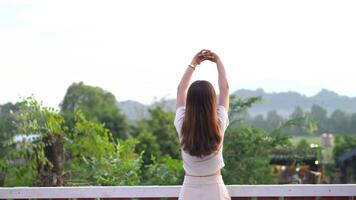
[205, 55]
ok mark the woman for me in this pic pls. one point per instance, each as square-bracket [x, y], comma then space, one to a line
[201, 120]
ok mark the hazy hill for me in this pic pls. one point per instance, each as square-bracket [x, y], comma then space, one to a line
[135, 110]
[283, 102]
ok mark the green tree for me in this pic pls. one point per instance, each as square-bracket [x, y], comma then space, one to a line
[167, 171]
[20, 165]
[259, 122]
[246, 154]
[96, 158]
[158, 142]
[343, 143]
[47, 149]
[160, 124]
[339, 122]
[96, 104]
[87, 154]
[297, 130]
[7, 133]
[238, 108]
[148, 145]
[352, 126]
[273, 120]
[298, 112]
[319, 114]
[247, 150]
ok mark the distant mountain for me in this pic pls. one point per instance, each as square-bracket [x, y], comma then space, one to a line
[283, 102]
[135, 110]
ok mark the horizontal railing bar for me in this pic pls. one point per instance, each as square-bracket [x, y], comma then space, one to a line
[289, 190]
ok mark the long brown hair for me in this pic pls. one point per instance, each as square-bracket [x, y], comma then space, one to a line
[200, 130]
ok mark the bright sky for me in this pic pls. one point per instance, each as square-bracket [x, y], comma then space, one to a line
[139, 49]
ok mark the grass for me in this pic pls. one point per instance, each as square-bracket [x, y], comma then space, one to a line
[312, 139]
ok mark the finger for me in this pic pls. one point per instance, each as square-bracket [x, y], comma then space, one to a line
[204, 51]
[209, 56]
[207, 51]
[204, 59]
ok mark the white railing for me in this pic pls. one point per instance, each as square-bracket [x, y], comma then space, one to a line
[343, 191]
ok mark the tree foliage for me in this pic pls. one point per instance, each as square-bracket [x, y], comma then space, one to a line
[160, 124]
[92, 154]
[46, 150]
[89, 141]
[167, 171]
[158, 142]
[7, 133]
[96, 158]
[344, 143]
[247, 150]
[96, 104]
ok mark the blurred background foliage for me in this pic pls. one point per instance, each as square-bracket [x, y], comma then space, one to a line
[90, 141]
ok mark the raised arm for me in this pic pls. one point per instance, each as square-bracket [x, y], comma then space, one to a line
[222, 79]
[223, 86]
[184, 83]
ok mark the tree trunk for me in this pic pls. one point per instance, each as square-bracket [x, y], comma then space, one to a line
[2, 178]
[52, 174]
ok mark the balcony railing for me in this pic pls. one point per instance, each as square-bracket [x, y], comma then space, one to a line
[240, 192]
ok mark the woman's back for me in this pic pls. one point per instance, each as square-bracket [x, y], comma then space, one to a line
[202, 166]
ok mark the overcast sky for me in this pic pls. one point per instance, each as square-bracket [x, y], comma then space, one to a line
[139, 49]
